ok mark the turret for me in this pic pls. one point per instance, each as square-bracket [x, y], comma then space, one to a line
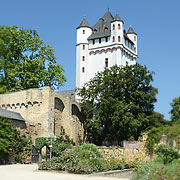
[117, 29]
[83, 32]
[133, 37]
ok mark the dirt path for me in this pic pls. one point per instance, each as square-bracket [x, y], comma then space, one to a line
[29, 172]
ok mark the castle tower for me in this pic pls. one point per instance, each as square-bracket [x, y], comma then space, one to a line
[133, 37]
[102, 46]
[83, 32]
[117, 29]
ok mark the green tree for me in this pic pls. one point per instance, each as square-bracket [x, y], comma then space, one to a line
[117, 103]
[26, 62]
[175, 111]
[10, 138]
[157, 119]
[6, 136]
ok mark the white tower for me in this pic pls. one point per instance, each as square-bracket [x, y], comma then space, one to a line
[133, 37]
[83, 32]
[104, 45]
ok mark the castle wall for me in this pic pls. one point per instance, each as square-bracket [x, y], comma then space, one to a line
[43, 116]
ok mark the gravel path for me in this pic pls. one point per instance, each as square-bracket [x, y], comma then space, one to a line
[29, 172]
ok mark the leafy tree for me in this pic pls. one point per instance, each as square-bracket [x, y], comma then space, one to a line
[6, 136]
[10, 138]
[157, 119]
[26, 62]
[117, 103]
[175, 111]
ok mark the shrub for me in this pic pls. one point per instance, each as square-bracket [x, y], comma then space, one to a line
[84, 159]
[167, 154]
[157, 171]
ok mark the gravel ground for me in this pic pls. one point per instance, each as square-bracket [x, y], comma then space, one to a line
[30, 172]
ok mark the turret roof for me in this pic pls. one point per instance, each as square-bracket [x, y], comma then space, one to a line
[84, 23]
[131, 31]
[117, 18]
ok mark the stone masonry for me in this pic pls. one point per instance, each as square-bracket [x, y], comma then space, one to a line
[45, 111]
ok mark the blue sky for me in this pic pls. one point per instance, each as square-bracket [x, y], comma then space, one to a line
[157, 23]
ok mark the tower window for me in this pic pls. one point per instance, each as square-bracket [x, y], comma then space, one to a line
[83, 31]
[106, 39]
[83, 58]
[99, 40]
[135, 49]
[106, 62]
[113, 39]
[119, 26]
[95, 31]
[134, 38]
[113, 27]
[83, 47]
[105, 29]
[93, 41]
[119, 39]
[83, 69]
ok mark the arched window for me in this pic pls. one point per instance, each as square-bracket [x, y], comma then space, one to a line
[134, 38]
[113, 27]
[83, 47]
[119, 39]
[106, 62]
[113, 40]
[83, 58]
[83, 31]
[83, 69]
[135, 49]
[119, 26]
[105, 29]
[58, 104]
[95, 31]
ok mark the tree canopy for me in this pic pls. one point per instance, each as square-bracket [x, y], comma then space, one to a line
[117, 103]
[175, 111]
[26, 62]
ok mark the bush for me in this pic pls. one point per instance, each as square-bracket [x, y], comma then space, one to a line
[84, 159]
[167, 154]
[157, 171]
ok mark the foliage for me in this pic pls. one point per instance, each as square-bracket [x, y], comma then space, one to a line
[175, 111]
[11, 139]
[157, 119]
[117, 103]
[6, 136]
[26, 62]
[21, 146]
[172, 134]
[84, 159]
[157, 171]
[167, 154]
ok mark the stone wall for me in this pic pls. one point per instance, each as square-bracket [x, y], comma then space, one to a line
[42, 113]
[127, 153]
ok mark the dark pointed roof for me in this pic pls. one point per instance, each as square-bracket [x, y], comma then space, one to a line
[104, 22]
[11, 115]
[131, 31]
[117, 18]
[84, 23]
